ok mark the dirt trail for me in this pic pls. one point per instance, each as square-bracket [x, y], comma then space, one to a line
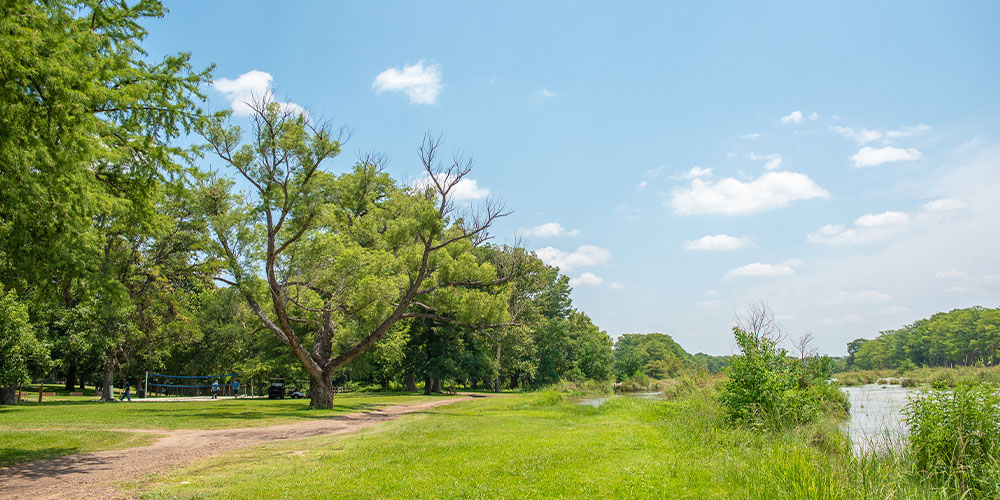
[91, 475]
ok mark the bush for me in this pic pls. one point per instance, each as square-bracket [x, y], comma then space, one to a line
[763, 386]
[955, 438]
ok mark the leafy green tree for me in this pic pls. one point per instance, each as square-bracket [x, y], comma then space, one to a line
[656, 354]
[336, 261]
[18, 346]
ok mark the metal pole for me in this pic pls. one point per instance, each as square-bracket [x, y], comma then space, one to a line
[145, 387]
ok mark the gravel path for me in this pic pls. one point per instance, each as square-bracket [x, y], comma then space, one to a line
[92, 475]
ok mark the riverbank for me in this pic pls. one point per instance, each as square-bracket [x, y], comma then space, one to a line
[930, 376]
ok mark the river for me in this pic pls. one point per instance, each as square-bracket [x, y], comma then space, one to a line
[876, 422]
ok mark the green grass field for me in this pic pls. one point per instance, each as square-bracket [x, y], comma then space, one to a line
[211, 414]
[25, 446]
[545, 446]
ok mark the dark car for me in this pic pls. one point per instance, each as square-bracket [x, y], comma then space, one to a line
[276, 389]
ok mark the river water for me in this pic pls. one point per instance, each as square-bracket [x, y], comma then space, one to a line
[876, 422]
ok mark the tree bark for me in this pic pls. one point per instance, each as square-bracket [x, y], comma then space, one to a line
[8, 395]
[321, 392]
[71, 376]
[410, 383]
[475, 383]
[513, 381]
[108, 390]
[436, 383]
[428, 386]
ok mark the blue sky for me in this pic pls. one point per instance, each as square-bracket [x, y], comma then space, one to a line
[840, 162]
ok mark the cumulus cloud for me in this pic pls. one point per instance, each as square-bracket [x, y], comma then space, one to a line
[642, 185]
[871, 157]
[586, 279]
[420, 83]
[584, 256]
[548, 230]
[866, 135]
[254, 84]
[695, 173]
[793, 117]
[617, 285]
[773, 160]
[718, 242]
[732, 196]
[944, 205]
[867, 228]
[758, 269]
[467, 189]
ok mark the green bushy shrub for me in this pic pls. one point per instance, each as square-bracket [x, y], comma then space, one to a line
[763, 386]
[955, 438]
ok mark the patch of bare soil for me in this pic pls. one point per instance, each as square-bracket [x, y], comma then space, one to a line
[92, 475]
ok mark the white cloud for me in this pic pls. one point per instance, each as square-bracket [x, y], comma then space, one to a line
[694, 173]
[586, 279]
[642, 185]
[584, 256]
[860, 297]
[254, 84]
[732, 196]
[862, 135]
[944, 205]
[466, 189]
[548, 230]
[421, 83]
[871, 157]
[866, 135]
[718, 242]
[546, 93]
[949, 274]
[758, 269]
[751, 136]
[867, 228]
[814, 116]
[617, 285]
[906, 131]
[773, 160]
[793, 117]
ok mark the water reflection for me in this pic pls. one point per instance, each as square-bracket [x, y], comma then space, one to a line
[877, 416]
[598, 401]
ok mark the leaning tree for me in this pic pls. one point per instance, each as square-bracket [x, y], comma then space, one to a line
[334, 261]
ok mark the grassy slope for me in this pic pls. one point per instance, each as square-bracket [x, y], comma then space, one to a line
[541, 446]
[25, 446]
[217, 414]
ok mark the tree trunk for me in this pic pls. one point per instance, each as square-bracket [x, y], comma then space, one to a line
[108, 390]
[436, 382]
[71, 376]
[321, 392]
[496, 382]
[8, 395]
[428, 386]
[513, 381]
[410, 384]
[475, 384]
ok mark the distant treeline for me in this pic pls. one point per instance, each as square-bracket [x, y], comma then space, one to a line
[961, 337]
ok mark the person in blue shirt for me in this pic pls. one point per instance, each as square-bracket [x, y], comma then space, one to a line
[236, 388]
[215, 389]
[126, 393]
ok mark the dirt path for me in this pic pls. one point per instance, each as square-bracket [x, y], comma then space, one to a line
[91, 475]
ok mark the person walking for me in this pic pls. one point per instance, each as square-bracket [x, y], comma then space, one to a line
[126, 392]
[215, 389]
[236, 388]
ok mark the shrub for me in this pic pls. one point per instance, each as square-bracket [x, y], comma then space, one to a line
[955, 438]
[762, 389]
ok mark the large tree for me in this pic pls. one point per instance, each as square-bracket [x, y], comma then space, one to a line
[336, 261]
[87, 121]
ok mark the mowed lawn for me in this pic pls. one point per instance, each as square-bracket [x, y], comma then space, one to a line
[31, 431]
[539, 445]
